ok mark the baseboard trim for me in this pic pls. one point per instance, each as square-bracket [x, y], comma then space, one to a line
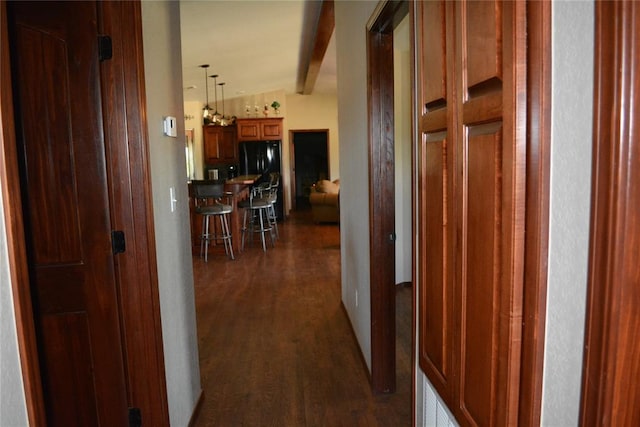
[355, 340]
[196, 410]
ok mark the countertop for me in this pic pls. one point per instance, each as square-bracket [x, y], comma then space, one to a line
[243, 179]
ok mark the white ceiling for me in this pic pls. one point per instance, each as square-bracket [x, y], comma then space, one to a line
[253, 45]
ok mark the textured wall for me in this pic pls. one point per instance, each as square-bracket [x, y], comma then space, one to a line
[13, 411]
[163, 80]
[351, 54]
[402, 135]
[572, 76]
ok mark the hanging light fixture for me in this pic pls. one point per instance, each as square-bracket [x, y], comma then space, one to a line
[224, 120]
[206, 111]
[216, 116]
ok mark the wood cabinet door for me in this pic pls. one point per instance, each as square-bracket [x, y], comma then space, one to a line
[60, 138]
[212, 140]
[228, 146]
[271, 130]
[248, 130]
[471, 181]
[220, 144]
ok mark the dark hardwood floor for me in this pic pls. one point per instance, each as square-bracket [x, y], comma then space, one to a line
[276, 347]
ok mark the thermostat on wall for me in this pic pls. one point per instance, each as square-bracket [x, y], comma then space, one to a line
[170, 126]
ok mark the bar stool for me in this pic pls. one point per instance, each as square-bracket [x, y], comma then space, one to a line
[208, 198]
[273, 199]
[256, 215]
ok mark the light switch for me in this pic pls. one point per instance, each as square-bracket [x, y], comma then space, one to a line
[172, 199]
[170, 126]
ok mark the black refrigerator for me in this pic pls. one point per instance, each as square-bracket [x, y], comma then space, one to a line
[263, 158]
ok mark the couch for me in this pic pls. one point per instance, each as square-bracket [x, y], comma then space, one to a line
[325, 201]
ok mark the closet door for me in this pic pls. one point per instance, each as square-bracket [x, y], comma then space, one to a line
[490, 68]
[471, 205]
[435, 193]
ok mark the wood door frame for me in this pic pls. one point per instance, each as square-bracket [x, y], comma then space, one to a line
[292, 159]
[534, 305]
[126, 144]
[380, 89]
[610, 393]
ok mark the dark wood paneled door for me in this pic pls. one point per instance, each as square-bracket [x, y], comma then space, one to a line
[59, 129]
[470, 211]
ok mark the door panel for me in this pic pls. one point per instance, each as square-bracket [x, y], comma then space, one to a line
[434, 292]
[483, 43]
[59, 130]
[435, 196]
[480, 276]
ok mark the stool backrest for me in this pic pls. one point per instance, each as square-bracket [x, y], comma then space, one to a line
[207, 189]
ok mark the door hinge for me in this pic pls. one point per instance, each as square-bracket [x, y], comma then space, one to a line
[135, 417]
[392, 237]
[118, 243]
[105, 48]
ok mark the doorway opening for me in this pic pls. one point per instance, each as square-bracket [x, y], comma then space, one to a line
[310, 152]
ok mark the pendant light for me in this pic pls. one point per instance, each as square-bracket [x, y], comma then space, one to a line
[222, 87]
[216, 115]
[206, 111]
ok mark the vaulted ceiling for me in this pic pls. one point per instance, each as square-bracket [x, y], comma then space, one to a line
[257, 46]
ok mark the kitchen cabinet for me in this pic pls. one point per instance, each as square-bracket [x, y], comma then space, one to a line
[267, 129]
[220, 144]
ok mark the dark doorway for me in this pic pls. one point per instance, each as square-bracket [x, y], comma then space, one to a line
[311, 163]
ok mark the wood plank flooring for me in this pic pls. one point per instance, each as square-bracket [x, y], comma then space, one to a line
[276, 347]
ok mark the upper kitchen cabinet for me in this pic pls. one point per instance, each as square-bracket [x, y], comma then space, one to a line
[268, 129]
[220, 145]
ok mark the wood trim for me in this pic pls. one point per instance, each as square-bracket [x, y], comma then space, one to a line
[324, 31]
[381, 190]
[381, 213]
[132, 209]
[537, 210]
[610, 390]
[415, 132]
[16, 247]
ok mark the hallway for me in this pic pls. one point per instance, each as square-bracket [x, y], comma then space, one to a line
[276, 347]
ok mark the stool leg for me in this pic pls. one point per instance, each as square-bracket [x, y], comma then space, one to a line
[244, 229]
[206, 237]
[274, 220]
[227, 236]
[264, 245]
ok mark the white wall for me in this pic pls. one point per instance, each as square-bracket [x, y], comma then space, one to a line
[571, 142]
[351, 53]
[13, 410]
[163, 80]
[402, 145]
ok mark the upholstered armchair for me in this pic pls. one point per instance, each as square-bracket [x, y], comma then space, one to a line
[325, 201]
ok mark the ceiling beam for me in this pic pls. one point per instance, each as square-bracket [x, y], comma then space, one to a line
[310, 64]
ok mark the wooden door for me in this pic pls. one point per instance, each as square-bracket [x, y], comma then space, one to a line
[60, 138]
[471, 204]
